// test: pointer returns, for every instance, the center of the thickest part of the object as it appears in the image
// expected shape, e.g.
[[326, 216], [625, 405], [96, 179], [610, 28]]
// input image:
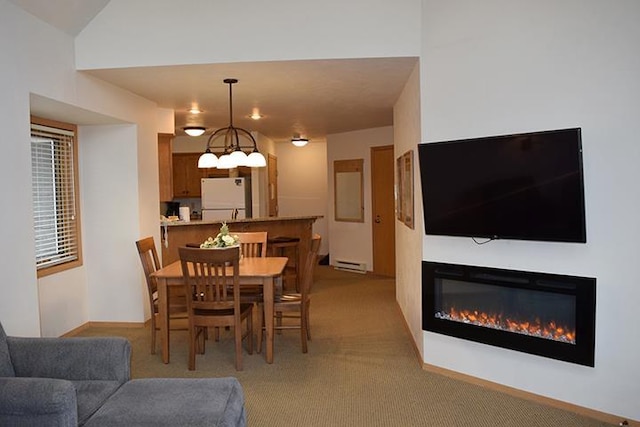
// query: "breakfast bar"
[[178, 233]]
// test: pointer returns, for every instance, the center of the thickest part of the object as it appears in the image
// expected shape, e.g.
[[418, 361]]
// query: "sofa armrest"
[[37, 401], [97, 358]]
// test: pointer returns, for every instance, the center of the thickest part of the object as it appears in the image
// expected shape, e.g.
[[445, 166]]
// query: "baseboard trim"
[[580, 410], [84, 326]]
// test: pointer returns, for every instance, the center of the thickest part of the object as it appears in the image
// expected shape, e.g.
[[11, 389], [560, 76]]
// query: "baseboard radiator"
[[354, 267]]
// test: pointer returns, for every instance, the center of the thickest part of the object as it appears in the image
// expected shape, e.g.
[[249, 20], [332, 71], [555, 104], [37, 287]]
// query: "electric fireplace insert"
[[538, 313]]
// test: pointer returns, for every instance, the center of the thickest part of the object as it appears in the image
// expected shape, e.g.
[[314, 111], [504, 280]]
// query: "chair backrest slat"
[[253, 243], [150, 261]]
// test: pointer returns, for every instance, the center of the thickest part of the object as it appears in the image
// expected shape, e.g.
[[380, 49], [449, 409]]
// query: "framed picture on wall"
[[404, 193]]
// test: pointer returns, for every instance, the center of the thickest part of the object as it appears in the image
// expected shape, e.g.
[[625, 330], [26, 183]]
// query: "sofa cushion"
[[91, 395], [6, 367], [173, 402], [37, 402]]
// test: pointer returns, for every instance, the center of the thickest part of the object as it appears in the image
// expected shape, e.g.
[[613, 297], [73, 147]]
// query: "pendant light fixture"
[[233, 154]]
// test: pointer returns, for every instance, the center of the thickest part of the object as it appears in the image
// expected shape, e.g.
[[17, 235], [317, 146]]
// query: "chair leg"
[[303, 329], [308, 323], [200, 337], [256, 318], [238, 341], [279, 322], [259, 320], [192, 349], [153, 333], [250, 331]]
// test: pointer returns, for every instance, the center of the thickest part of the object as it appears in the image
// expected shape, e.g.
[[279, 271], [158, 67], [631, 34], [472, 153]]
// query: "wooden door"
[[272, 170], [383, 214]]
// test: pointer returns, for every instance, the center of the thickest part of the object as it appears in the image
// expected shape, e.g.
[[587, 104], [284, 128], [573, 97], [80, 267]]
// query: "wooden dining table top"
[[248, 268]]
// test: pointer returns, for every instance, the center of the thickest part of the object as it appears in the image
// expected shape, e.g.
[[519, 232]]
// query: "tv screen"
[[527, 187]]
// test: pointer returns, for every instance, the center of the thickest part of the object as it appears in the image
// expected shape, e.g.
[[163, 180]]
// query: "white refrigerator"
[[225, 198]]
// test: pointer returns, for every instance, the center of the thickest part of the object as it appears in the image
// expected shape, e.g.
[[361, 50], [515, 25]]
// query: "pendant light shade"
[[256, 160], [226, 162], [233, 154], [239, 157], [208, 160]]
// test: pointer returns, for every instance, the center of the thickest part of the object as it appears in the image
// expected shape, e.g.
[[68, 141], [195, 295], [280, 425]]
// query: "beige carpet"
[[361, 370]]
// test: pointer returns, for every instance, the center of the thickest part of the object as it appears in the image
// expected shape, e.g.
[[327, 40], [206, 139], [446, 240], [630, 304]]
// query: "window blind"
[[54, 204]]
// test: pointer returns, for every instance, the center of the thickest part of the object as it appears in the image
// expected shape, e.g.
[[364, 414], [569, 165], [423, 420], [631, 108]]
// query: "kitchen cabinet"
[[186, 175], [165, 166]]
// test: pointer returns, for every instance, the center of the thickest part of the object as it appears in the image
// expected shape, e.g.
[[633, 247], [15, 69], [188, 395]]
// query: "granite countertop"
[[232, 221]]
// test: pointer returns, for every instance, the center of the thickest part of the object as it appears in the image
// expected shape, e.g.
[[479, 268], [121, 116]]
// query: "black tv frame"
[[578, 234]]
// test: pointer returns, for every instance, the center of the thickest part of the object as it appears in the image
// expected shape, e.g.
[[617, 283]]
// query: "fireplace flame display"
[[536, 328]]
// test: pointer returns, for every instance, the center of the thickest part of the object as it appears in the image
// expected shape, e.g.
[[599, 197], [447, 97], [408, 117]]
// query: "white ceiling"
[[312, 98]]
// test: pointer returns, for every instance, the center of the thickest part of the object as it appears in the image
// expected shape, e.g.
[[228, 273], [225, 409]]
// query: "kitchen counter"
[[238, 221], [179, 233]]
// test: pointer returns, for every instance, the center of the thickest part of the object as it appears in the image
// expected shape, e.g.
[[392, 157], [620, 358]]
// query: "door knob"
[[378, 219]]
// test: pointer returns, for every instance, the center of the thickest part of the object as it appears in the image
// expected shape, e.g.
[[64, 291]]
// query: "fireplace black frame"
[[583, 288]]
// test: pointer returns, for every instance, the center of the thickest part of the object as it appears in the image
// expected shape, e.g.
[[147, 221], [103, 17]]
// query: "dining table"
[[253, 271]]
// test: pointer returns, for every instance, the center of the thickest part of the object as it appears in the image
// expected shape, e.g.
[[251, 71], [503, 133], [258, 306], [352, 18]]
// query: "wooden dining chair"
[[211, 278], [296, 305], [177, 301], [253, 243]]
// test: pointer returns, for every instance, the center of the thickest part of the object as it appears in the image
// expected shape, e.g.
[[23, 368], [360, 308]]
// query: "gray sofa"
[[86, 382]]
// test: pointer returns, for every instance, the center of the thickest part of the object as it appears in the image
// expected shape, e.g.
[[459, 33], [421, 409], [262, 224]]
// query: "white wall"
[[200, 31], [504, 66], [19, 312], [302, 184], [352, 241], [116, 184], [406, 134]]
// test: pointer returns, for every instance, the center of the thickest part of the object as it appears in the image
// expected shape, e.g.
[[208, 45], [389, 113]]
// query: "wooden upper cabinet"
[[186, 175], [165, 166]]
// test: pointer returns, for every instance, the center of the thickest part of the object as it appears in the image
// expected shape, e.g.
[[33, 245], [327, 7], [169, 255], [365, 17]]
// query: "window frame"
[[49, 270]]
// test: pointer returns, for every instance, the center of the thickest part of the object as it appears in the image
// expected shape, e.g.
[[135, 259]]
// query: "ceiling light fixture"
[[232, 153], [194, 130], [298, 141]]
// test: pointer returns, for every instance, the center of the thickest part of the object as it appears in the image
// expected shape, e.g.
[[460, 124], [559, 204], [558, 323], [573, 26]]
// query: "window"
[[56, 216]]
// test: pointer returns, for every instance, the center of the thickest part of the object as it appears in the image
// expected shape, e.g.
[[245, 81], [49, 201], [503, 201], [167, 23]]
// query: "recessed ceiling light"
[[298, 141], [195, 110], [255, 115], [194, 130]]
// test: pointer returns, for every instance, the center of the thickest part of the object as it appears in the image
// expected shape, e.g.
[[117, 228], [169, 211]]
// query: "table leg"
[[163, 317], [268, 315]]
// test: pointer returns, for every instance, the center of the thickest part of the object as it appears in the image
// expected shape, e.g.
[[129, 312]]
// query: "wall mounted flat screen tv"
[[526, 187]]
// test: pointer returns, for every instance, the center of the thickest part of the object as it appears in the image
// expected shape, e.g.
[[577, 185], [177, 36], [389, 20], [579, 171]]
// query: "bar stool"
[[287, 246]]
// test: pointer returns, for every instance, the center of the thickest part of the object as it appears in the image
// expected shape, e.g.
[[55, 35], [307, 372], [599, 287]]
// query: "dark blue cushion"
[[174, 402], [6, 367]]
